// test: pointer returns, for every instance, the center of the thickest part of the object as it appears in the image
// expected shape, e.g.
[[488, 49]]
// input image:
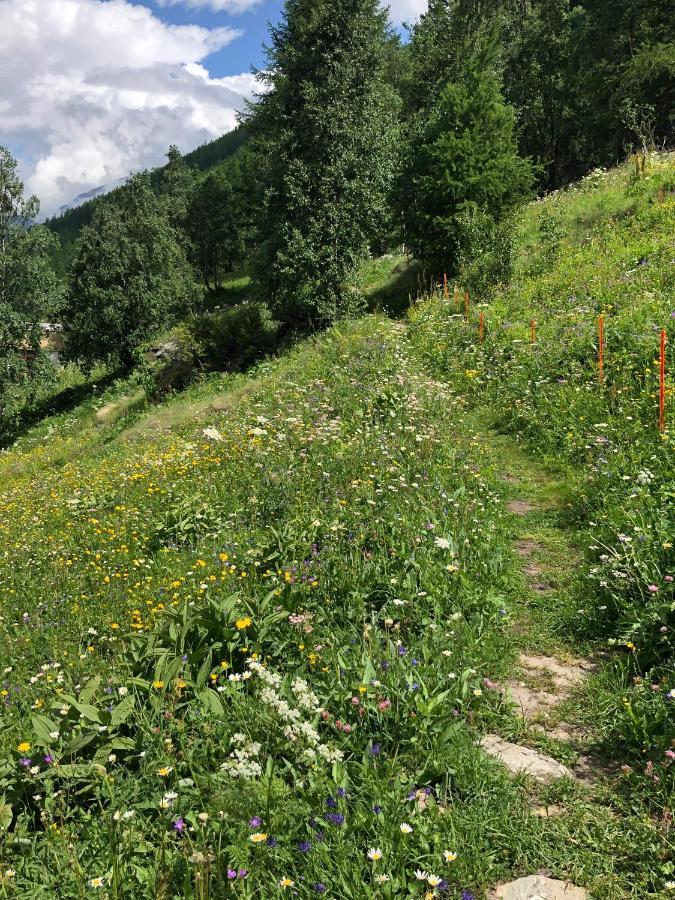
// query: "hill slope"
[[257, 633]]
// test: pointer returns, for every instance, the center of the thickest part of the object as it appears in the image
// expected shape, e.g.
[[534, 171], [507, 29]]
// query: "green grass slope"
[[251, 636], [603, 247]]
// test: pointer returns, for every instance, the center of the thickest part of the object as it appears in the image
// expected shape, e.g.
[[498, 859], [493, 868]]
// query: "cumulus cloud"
[[406, 10], [91, 90], [231, 6]]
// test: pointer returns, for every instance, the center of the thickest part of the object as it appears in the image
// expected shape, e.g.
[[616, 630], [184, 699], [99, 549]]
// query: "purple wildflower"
[[375, 749], [271, 841], [331, 803], [242, 873], [305, 846], [231, 874], [319, 887], [25, 762], [341, 792], [377, 810], [335, 818], [255, 822], [179, 825]]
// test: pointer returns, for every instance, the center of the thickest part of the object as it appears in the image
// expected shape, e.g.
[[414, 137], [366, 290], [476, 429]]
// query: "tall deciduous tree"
[[213, 228], [131, 277], [29, 292], [326, 135]]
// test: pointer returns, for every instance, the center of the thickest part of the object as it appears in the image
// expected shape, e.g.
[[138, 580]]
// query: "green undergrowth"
[[253, 633], [604, 246]]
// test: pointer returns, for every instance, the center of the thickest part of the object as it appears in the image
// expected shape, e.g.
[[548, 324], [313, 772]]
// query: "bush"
[[233, 339]]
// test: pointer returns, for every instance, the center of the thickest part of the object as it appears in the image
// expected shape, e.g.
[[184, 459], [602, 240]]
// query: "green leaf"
[[43, 728], [6, 816], [122, 711], [211, 701], [90, 689]]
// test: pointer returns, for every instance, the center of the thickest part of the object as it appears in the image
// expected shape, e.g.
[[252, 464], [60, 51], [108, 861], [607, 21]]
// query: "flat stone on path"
[[530, 703], [523, 759], [564, 675], [537, 887], [521, 507], [527, 548]]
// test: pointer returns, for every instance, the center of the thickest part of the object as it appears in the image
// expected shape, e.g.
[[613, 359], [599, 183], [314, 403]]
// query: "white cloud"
[[231, 6], [405, 10], [91, 90]]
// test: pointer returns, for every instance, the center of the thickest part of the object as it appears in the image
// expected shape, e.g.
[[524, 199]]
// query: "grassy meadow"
[[250, 636]]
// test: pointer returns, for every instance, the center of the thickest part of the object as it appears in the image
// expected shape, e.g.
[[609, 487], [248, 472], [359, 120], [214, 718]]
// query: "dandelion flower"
[[286, 882], [405, 828], [243, 623], [158, 685], [258, 838], [449, 855], [23, 747], [164, 771], [374, 853]]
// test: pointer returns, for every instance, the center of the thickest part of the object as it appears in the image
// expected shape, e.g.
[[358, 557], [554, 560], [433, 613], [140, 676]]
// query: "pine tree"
[[466, 162], [326, 138]]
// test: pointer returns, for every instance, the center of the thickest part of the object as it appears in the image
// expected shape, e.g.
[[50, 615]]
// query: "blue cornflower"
[[402, 650], [319, 887], [341, 792], [305, 846], [335, 818], [331, 802], [271, 841], [375, 749], [377, 809]]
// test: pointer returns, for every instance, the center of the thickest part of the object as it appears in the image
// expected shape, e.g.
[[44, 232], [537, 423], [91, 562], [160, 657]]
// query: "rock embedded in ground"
[[531, 703], [537, 887], [563, 675], [549, 812], [527, 548], [519, 759], [520, 507]]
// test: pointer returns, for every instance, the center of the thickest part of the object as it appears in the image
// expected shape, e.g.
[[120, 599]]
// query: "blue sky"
[[101, 88], [243, 52]]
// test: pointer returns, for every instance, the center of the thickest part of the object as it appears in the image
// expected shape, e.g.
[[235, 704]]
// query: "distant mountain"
[[89, 195], [69, 220]]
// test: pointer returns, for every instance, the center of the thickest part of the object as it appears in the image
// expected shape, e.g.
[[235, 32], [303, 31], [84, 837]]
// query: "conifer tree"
[[465, 161], [326, 140]]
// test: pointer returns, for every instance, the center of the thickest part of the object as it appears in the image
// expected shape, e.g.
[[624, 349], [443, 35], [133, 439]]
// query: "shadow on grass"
[[395, 295], [64, 401]]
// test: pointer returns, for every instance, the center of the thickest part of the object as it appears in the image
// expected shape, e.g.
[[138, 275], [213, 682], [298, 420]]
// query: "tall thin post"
[[662, 382], [533, 331]]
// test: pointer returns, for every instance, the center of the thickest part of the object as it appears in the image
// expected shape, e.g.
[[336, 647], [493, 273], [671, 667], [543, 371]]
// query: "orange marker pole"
[[481, 327], [466, 306], [533, 331], [662, 383], [446, 291]]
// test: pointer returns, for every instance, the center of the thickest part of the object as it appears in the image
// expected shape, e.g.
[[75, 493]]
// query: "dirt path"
[[544, 743]]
